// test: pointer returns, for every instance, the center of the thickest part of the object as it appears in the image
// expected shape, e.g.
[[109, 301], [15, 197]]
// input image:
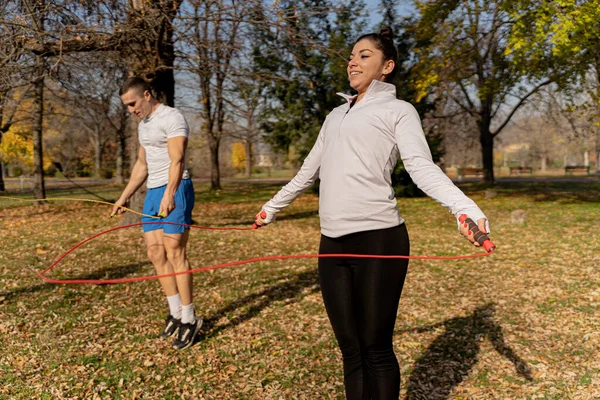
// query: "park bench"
[[469, 171], [577, 168], [520, 170]]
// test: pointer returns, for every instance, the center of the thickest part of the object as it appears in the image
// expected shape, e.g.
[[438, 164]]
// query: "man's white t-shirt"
[[154, 131]]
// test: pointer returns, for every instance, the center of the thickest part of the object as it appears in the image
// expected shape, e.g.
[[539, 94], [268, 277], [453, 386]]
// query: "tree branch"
[[518, 105]]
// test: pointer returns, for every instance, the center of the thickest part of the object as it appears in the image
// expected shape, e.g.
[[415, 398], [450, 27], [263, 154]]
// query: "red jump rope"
[[480, 237]]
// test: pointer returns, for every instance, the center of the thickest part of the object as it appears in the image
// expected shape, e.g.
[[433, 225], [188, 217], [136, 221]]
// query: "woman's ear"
[[389, 67]]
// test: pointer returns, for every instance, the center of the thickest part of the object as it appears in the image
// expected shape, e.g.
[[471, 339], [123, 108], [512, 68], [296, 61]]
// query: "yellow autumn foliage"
[[238, 155], [15, 149]]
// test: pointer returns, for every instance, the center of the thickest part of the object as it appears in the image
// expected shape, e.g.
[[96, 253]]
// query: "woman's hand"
[[262, 219], [464, 230]]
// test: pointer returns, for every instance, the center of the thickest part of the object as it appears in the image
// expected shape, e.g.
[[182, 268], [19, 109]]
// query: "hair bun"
[[387, 32]]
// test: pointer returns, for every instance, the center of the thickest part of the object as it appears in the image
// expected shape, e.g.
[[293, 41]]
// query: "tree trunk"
[[2, 172], [248, 144], [597, 147], [121, 146], [137, 200], [544, 166], [215, 174], [164, 80], [157, 67], [97, 155], [39, 188], [2, 169], [119, 170], [487, 140], [2, 127], [487, 149]]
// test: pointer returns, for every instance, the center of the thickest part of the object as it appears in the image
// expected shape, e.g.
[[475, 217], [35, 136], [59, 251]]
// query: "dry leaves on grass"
[[521, 324]]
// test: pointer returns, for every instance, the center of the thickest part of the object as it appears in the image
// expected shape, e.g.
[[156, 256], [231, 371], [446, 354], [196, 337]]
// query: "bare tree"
[[141, 31], [92, 81], [247, 103], [211, 33], [459, 132], [36, 10], [578, 118], [464, 53], [219, 43], [9, 80], [151, 55]]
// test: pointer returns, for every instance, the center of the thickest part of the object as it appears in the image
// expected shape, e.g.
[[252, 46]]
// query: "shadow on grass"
[[114, 272], [39, 210], [449, 358], [253, 304]]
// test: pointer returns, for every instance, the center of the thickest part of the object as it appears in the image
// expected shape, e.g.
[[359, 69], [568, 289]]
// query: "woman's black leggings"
[[361, 297]]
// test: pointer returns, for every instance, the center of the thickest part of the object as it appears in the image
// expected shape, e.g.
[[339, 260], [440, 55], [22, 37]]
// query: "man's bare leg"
[[175, 248], [158, 256]]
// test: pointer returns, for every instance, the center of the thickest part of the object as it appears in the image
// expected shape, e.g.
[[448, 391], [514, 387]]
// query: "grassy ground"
[[521, 324]]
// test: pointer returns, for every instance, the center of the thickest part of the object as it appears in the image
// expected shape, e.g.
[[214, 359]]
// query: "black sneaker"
[[187, 333], [171, 326]]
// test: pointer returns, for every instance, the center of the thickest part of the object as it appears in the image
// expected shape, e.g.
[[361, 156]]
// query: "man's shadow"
[[112, 272], [253, 304], [449, 358]]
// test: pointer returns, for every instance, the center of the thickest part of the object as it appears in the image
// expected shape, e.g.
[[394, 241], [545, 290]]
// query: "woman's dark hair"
[[384, 41], [136, 83]]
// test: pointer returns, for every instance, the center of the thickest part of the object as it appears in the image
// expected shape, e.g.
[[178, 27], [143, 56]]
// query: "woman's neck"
[[359, 97]]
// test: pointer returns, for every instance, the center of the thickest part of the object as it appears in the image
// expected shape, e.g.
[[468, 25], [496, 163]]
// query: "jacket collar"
[[375, 89]]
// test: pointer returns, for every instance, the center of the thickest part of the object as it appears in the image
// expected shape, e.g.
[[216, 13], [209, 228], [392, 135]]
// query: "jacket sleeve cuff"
[[271, 212]]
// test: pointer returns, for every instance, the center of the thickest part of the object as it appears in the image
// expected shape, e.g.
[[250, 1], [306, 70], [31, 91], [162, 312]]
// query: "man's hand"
[[167, 204], [118, 207]]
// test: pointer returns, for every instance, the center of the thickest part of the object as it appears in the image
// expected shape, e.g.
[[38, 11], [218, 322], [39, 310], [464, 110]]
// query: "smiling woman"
[[354, 157], [366, 64]]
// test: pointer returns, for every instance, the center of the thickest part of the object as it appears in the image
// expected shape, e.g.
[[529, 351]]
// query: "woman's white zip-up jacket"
[[354, 156]]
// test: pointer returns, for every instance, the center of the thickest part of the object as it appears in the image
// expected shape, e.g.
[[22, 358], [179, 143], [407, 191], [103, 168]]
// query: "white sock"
[[187, 313], [175, 305]]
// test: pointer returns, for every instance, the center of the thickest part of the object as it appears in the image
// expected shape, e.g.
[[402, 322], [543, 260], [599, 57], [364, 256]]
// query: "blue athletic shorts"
[[182, 214]]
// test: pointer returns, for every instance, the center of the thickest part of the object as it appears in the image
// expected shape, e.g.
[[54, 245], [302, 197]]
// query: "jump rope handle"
[[479, 236], [263, 215]]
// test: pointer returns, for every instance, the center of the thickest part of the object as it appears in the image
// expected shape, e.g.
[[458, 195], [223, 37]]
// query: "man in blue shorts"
[[163, 134]]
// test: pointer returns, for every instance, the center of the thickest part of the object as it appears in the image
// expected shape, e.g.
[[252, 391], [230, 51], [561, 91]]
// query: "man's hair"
[[135, 83]]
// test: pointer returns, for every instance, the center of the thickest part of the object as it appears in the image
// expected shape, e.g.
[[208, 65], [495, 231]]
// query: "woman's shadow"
[[449, 358]]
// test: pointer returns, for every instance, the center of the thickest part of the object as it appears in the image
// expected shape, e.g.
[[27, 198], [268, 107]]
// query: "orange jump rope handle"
[[262, 215], [479, 236]]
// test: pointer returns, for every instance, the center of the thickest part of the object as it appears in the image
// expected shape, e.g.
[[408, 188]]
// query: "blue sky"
[[373, 5]]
